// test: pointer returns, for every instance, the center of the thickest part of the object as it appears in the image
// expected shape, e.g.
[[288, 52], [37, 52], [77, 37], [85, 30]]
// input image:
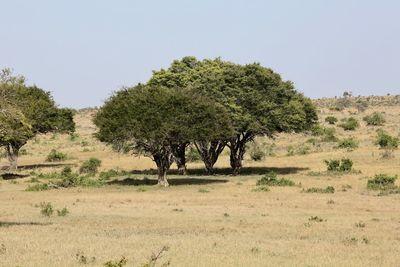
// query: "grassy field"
[[215, 220]]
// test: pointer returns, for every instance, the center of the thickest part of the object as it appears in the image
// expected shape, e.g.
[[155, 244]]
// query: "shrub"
[[90, 166], [262, 188], [37, 187], [55, 156], [118, 263], [46, 209], [63, 212], [299, 150], [349, 124], [331, 119], [106, 175], [192, 155], [348, 143], [386, 141], [327, 190], [381, 182], [271, 179], [328, 135], [343, 165], [257, 154], [375, 119]]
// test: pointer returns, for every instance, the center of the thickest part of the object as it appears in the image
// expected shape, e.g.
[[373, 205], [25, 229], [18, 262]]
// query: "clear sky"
[[83, 50]]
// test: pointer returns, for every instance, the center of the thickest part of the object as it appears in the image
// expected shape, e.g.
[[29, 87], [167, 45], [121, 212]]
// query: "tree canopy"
[[151, 120], [25, 112], [258, 101]]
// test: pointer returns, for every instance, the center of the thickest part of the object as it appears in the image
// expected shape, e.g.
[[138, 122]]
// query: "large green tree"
[[27, 111], [259, 102], [152, 120]]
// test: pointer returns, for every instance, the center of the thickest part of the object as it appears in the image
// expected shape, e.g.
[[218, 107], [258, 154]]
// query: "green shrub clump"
[[375, 119], [192, 155], [270, 179], [348, 143], [331, 120], [55, 156], [349, 124], [381, 182], [343, 165], [90, 166], [386, 141], [327, 190]]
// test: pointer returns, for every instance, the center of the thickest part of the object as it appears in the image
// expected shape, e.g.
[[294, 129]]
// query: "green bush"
[[192, 155], [327, 190], [46, 209], [37, 187], [382, 182], [386, 141], [349, 124], [90, 166], [343, 165], [329, 135], [348, 143], [375, 119], [63, 212], [106, 175], [331, 119], [55, 156], [257, 154], [270, 179]]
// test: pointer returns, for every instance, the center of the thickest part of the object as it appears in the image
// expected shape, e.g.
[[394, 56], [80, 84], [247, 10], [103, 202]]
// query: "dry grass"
[[207, 224]]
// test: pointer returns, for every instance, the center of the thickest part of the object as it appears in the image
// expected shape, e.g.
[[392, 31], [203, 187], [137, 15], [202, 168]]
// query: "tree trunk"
[[238, 149], [163, 160], [209, 152], [12, 155], [178, 151]]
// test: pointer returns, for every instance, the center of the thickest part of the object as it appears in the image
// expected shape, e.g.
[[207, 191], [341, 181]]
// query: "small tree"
[[331, 120], [375, 119], [32, 106], [258, 101], [386, 141], [349, 124], [150, 120]]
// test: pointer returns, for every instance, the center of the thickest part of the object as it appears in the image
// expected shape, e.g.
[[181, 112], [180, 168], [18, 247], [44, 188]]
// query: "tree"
[[152, 120], [30, 106], [258, 101]]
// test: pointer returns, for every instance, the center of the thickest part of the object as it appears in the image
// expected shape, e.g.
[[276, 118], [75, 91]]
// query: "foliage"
[[151, 120], [90, 166], [375, 119], [331, 119], [192, 155], [46, 209], [106, 175], [37, 187], [343, 165], [298, 150], [63, 212], [118, 263], [270, 179], [25, 112], [327, 190], [348, 143], [386, 141], [55, 156], [382, 182], [258, 101], [349, 124]]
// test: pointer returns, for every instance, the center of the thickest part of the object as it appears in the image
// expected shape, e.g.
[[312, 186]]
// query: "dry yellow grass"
[[212, 224]]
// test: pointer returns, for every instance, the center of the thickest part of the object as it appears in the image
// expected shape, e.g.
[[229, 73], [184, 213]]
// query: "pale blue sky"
[[82, 50]]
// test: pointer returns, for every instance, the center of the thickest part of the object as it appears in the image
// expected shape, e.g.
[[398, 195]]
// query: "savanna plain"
[[325, 218]]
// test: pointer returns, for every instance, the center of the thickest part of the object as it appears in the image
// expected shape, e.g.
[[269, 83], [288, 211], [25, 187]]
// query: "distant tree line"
[[26, 111], [209, 104]]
